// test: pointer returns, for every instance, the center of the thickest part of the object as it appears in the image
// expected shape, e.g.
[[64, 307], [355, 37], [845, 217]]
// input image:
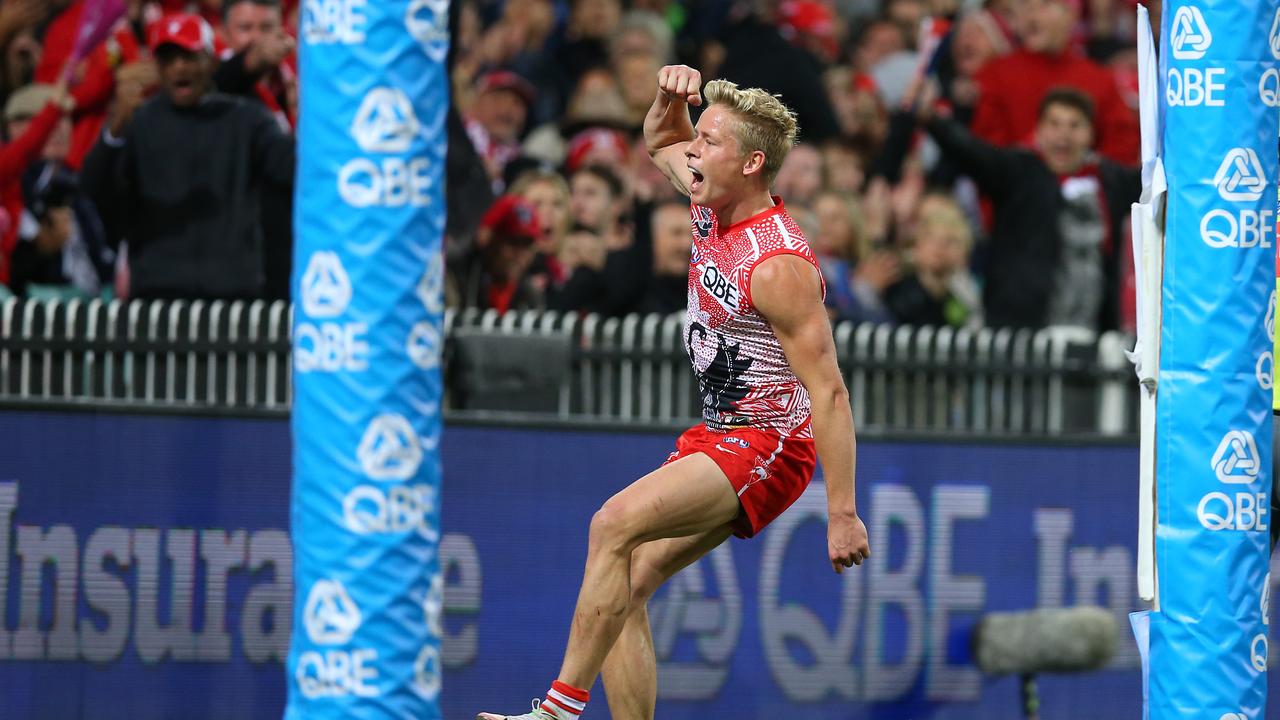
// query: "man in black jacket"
[[1054, 256], [255, 66], [180, 175]]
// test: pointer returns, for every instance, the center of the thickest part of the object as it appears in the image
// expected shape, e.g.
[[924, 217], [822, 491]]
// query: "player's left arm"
[[787, 291]]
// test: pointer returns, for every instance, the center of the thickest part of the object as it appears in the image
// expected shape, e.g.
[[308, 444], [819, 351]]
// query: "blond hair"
[[857, 247], [941, 213], [763, 123]]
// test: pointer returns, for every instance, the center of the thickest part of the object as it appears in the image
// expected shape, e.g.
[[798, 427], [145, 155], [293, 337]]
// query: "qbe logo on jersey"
[[385, 124], [321, 341], [332, 618], [1240, 179], [390, 451], [719, 286], [1236, 462]]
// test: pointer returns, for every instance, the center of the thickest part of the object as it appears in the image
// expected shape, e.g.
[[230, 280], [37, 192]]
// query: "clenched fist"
[[846, 541], [681, 82]]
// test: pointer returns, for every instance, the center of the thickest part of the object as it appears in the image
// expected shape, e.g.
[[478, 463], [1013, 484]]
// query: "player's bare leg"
[[690, 496], [630, 670]]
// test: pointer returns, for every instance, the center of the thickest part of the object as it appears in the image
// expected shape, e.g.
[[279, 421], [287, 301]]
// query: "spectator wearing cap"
[[259, 65], [1010, 88], [497, 118], [180, 175], [494, 273], [62, 246], [34, 116]]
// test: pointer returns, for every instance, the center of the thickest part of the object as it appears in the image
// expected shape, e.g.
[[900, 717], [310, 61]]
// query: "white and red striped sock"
[[566, 701]]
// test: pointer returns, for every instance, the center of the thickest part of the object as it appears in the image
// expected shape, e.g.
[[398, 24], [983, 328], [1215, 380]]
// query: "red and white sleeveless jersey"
[[743, 375]]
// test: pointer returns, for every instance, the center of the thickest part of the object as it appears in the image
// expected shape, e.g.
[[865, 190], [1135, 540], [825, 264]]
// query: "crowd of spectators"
[[156, 163], [961, 162]]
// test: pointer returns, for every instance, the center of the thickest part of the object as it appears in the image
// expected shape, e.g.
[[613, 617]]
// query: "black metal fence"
[[235, 357]]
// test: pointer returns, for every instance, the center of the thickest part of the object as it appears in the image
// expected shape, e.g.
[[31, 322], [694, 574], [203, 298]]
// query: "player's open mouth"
[[697, 180]]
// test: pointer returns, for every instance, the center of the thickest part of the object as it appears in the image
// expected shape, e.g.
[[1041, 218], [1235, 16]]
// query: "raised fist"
[[681, 82]]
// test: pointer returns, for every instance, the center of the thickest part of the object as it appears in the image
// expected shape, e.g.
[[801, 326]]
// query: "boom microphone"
[[1059, 640]]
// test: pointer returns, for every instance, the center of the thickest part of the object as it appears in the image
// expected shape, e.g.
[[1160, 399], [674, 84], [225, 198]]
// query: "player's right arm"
[[667, 128]]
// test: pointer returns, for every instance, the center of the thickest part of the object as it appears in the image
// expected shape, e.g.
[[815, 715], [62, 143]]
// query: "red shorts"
[[767, 470]]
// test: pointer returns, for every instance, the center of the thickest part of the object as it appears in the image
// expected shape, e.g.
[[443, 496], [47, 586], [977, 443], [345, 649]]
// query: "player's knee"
[[610, 527]]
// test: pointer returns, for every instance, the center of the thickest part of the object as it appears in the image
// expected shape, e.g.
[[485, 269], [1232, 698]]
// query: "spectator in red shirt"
[[33, 116], [1011, 88], [92, 82]]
